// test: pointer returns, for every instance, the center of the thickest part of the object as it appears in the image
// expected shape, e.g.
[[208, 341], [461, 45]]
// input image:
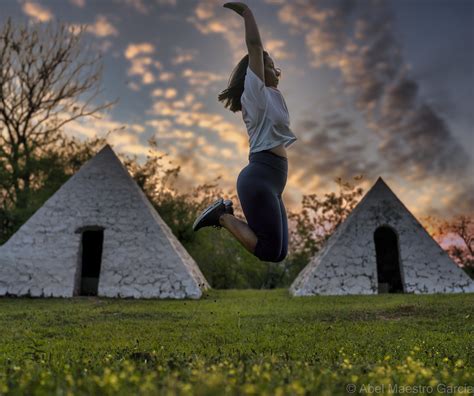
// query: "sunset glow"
[[378, 88]]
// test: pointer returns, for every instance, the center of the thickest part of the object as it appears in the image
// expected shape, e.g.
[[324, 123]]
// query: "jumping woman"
[[253, 90]]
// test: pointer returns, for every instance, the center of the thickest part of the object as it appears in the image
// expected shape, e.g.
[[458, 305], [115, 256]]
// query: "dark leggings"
[[259, 186]]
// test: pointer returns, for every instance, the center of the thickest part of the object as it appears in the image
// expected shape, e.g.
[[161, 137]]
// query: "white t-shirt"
[[265, 114]]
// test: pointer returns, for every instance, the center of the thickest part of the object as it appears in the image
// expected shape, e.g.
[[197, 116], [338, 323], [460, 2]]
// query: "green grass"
[[237, 342]]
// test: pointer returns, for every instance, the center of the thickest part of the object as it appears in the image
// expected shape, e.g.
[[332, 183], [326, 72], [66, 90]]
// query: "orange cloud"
[[37, 12], [225, 24], [141, 63], [133, 50], [78, 3], [185, 112], [276, 49], [184, 55], [166, 76], [170, 93], [102, 27], [202, 79]]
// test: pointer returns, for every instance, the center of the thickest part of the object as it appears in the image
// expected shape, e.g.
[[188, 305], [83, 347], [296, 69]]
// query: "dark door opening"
[[92, 242], [388, 263]]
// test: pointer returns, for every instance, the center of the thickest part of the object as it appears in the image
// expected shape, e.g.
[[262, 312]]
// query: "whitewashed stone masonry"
[[347, 263], [141, 257]]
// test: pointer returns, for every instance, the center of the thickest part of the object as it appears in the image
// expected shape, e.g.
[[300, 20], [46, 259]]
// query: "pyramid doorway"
[[91, 259], [388, 261]]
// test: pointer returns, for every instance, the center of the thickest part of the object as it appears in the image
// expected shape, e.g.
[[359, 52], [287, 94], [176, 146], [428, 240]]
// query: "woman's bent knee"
[[268, 252]]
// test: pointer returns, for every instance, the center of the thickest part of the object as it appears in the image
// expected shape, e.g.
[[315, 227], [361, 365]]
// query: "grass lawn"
[[238, 342]]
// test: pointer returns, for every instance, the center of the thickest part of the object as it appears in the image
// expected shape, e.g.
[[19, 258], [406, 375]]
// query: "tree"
[[320, 217], [47, 80], [463, 227], [53, 167], [317, 221]]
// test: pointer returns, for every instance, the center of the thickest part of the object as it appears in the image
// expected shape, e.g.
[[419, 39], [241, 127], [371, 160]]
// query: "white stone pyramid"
[[379, 248], [98, 235]]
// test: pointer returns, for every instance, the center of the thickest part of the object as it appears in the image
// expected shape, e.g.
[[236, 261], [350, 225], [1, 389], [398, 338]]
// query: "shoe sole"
[[211, 208]]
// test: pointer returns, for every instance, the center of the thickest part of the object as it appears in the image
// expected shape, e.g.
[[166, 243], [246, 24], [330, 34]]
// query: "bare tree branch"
[[48, 79]]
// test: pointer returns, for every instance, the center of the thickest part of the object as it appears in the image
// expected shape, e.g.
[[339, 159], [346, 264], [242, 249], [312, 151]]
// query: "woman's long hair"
[[231, 95]]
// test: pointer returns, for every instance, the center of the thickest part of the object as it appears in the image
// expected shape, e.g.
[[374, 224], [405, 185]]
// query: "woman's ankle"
[[223, 217]]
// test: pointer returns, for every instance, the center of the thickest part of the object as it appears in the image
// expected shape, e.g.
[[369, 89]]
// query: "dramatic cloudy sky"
[[379, 88]]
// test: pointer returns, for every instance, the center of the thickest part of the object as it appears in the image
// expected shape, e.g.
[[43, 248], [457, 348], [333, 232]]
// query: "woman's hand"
[[239, 8]]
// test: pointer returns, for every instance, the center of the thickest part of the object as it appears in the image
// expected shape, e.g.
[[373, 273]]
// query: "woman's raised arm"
[[252, 38]]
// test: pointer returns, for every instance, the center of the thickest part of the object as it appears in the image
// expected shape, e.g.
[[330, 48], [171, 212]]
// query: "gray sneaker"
[[228, 206], [210, 215]]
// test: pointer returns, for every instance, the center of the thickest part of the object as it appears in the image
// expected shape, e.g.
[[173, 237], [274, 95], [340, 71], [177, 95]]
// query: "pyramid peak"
[[105, 160], [106, 151], [380, 184], [379, 190], [107, 147], [381, 181]]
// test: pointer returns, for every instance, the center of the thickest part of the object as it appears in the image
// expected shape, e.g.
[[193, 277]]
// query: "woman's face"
[[272, 74]]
